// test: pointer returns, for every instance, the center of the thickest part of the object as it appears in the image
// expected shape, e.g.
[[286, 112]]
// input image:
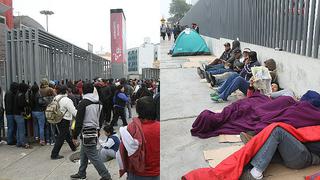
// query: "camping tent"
[[190, 43]]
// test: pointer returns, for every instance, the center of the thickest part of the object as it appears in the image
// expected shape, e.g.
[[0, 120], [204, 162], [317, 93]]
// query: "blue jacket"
[[246, 71]]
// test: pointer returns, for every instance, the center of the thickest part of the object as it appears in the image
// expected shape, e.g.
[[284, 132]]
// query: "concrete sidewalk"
[[183, 97], [35, 164]]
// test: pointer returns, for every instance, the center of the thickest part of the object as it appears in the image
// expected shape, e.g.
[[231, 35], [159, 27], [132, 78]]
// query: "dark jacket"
[[20, 103], [9, 102], [226, 55], [9, 98], [143, 91], [246, 71], [235, 46], [34, 102], [107, 96]]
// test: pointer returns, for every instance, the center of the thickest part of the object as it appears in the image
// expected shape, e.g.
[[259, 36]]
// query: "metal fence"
[[150, 73], [33, 54], [291, 25]]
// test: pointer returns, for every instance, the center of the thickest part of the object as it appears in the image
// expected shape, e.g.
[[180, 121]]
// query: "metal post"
[[311, 27], [316, 33], [305, 27]]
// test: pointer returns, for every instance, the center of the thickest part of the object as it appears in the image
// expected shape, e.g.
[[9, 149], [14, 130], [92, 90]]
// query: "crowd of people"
[[175, 30], [58, 111], [275, 125]]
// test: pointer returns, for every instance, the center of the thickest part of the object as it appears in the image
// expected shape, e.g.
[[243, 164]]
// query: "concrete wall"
[[296, 72]]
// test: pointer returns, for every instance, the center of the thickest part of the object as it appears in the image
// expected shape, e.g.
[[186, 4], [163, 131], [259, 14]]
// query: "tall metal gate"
[[33, 54], [292, 25]]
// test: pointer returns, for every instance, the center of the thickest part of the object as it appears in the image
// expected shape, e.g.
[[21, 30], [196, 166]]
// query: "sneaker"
[[77, 176], [214, 93], [3, 142], [245, 138], [48, 144], [52, 144], [200, 72], [42, 143], [246, 175], [217, 99]]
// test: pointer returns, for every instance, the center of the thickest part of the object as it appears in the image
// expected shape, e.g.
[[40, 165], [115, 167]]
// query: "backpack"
[[53, 112]]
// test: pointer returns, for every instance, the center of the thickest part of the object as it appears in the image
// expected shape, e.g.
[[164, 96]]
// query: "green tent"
[[190, 43]]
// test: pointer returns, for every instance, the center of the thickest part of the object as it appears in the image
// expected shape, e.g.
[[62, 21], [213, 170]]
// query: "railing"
[[150, 73], [290, 25], [33, 54]]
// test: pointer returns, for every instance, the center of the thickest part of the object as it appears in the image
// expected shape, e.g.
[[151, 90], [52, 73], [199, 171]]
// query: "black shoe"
[[77, 176], [199, 71], [57, 157], [207, 74], [315, 159], [105, 178]]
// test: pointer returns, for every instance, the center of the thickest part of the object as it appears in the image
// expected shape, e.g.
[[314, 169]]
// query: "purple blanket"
[[254, 114]]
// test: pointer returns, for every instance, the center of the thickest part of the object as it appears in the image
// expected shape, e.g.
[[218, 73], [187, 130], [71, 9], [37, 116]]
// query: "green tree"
[[178, 8]]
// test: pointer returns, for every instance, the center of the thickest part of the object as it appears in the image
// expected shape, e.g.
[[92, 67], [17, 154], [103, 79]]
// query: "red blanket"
[[231, 168]]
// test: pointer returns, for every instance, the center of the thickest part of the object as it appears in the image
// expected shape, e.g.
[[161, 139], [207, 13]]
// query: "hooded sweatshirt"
[[88, 115], [235, 46]]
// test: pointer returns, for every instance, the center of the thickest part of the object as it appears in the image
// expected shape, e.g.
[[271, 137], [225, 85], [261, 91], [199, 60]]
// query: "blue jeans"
[[50, 132], [293, 153], [233, 83], [215, 67], [219, 71], [10, 124], [21, 130], [39, 121]]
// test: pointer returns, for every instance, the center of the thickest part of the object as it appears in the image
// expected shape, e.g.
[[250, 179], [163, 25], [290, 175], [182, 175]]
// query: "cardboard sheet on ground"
[[225, 138], [274, 171], [215, 156]]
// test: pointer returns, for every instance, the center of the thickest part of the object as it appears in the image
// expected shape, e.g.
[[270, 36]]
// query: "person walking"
[[87, 124], [66, 107], [120, 100], [163, 31]]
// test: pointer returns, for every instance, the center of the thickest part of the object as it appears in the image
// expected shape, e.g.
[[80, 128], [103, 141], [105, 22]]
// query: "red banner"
[[117, 55], [8, 14]]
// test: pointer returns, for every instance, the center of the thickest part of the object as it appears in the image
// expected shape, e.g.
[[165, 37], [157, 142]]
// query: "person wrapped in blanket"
[[296, 148], [110, 146], [139, 153], [281, 147]]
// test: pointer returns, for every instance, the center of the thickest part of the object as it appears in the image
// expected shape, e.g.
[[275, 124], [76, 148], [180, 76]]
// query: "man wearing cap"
[[227, 52]]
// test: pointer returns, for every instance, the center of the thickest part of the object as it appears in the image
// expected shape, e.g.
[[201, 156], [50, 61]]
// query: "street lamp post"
[[47, 13]]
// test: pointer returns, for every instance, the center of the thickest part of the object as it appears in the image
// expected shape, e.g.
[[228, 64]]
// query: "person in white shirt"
[[110, 146], [67, 107]]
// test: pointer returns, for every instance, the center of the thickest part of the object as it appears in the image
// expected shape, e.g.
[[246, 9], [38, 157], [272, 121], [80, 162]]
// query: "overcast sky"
[[83, 21]]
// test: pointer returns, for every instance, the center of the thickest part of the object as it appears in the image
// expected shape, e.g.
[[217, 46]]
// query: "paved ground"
[[183, 97], [35, 164]]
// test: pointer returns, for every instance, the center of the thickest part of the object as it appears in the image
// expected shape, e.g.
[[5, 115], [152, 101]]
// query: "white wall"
[[146, 57], [296, 72]]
